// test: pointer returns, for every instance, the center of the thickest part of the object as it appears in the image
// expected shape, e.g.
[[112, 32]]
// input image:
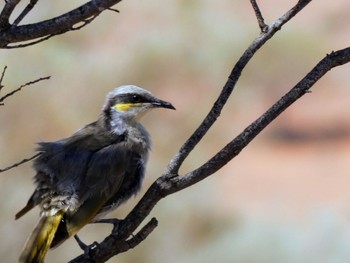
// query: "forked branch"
[[170, 182], [236, 72], [258, 15]]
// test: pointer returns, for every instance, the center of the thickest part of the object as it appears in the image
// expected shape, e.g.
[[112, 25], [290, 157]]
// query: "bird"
[[82, 177]]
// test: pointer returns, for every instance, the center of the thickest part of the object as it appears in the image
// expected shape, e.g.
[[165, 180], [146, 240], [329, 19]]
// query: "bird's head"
[[131, 102]]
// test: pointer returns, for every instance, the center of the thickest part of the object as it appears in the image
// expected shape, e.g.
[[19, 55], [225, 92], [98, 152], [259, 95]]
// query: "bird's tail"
[[40, 240]]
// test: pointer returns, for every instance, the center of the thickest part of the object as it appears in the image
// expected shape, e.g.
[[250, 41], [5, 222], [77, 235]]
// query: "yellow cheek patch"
[[125, 106]]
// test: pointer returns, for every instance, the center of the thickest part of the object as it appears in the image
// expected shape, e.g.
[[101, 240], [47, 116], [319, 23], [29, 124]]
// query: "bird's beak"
[[162, 104]]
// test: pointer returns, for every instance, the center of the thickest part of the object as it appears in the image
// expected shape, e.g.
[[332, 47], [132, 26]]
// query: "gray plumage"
[[98, 167]]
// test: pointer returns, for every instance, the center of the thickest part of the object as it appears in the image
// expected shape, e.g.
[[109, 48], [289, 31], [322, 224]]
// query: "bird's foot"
[[114, 221], [87, 248]]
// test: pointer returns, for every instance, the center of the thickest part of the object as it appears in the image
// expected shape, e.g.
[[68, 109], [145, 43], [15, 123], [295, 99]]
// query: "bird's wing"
[[63, 164], [104, 175], [130, 186]]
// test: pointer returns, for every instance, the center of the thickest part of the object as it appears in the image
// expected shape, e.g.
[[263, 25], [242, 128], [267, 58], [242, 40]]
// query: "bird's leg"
[[114, 221], [83, 246]]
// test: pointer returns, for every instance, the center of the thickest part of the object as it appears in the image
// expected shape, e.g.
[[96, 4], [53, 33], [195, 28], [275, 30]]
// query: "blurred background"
[[285, 198]]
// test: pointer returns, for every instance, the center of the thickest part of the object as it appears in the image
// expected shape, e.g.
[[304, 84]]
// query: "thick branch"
[[54, 26]]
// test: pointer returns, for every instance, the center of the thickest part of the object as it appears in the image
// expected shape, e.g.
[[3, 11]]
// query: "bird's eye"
[[136, 99]]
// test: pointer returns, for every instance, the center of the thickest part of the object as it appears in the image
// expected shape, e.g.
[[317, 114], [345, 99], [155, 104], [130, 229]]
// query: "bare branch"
[[19, 163], [113, 9], [170, 182], [21, 87], [242, 140], [25, 12], [52, 27], [214, 113], [258, 15], [6, 13]]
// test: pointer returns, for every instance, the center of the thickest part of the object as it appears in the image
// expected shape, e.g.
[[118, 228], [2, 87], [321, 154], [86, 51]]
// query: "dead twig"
[[2, 78], [20, 88], [19, 163], [259, 16], [113, 9]]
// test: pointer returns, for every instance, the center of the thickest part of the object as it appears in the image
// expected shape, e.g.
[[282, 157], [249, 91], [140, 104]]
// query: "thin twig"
[[2, 77], [19, 163], [259, 17], [21, 87], [113, 9]]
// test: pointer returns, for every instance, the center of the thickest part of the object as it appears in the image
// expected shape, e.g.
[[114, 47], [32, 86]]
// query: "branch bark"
[[44, 30]]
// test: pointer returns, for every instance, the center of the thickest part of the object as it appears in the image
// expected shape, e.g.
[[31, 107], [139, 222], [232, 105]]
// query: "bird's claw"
[[86, 248]]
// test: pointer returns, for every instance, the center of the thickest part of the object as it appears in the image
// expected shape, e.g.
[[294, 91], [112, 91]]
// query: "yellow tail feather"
[[40, 240]]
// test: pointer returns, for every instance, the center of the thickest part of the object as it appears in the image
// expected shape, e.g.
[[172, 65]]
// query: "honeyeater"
[[82, 177]]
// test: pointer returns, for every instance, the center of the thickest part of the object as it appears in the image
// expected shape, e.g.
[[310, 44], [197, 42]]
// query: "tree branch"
[[48, 28], [232, 149], [170, 182], [6, 12], [258, 15], [102, 251], [2, 78], [21, 87], [19, 163], [25, 12], [215, 112]]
